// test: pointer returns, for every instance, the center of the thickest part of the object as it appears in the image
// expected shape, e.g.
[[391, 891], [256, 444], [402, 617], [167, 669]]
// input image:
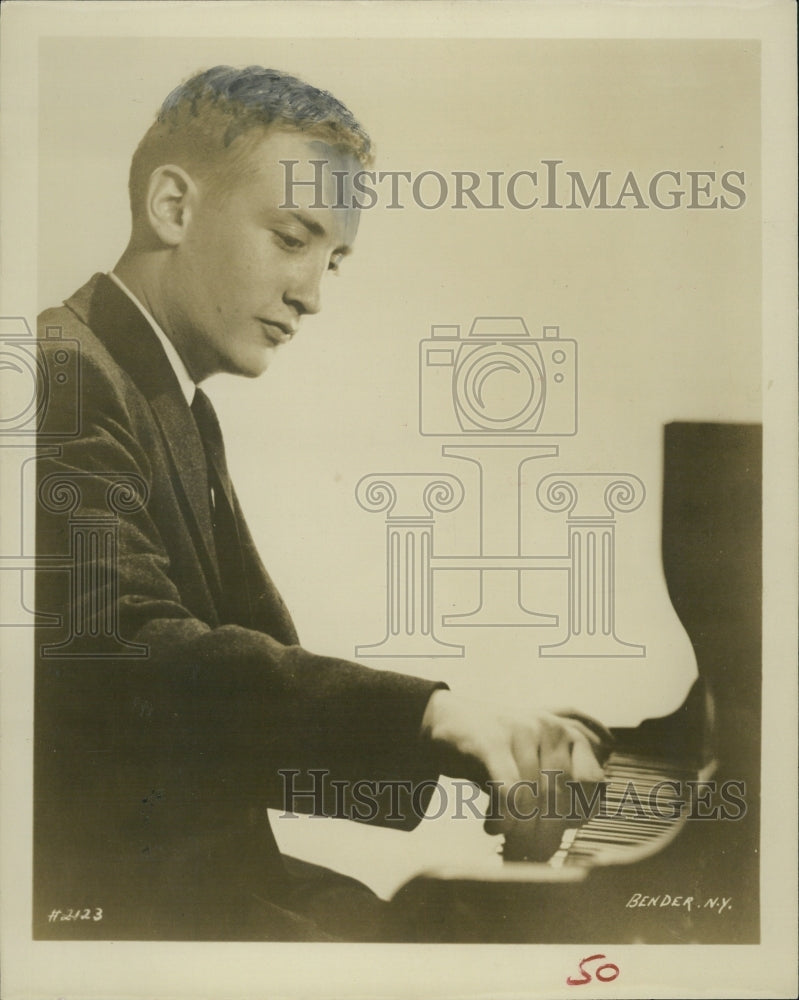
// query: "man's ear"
[[171, 194]]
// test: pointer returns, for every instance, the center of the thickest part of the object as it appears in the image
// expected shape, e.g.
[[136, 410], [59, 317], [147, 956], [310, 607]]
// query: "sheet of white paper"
[[619, 177]]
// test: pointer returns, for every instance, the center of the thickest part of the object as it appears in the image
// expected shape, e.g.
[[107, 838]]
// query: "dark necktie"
[[226, 532]]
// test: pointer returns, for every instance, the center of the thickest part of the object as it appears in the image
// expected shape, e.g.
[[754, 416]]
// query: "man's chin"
[[254, 365]]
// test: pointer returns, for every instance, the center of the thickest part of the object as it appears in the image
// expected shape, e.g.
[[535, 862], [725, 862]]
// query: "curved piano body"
[[669, 854]]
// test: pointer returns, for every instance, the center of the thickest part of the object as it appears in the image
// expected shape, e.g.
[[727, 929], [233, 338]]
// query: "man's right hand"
[[499, 751]]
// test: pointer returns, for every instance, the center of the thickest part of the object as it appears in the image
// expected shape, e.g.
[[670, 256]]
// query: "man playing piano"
[[154, 771]]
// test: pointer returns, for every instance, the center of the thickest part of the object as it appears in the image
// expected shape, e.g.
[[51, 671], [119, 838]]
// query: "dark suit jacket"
[[153, 773]]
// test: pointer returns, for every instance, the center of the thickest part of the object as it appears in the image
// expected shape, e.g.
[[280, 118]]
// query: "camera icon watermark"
[[497, 379], [59, 522], [31, 371]]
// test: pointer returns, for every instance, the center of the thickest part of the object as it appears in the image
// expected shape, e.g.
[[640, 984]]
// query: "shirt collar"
[[187, 386]]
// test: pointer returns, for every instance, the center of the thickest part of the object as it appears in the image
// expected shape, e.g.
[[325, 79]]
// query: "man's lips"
[[278, 333]]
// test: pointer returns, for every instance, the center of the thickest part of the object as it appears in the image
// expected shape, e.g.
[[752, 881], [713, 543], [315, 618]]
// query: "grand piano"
[[679, 864]]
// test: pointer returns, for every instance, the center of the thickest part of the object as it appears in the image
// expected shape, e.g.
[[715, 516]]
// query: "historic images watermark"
[[554, 797], [41, 389], [551, 185]]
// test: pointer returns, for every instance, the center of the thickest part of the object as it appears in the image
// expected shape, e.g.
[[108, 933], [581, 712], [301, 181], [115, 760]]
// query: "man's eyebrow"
[[314, 227]]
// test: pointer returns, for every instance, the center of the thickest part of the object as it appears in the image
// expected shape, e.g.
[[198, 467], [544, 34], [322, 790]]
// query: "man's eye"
[[289, 241], [335, 260]]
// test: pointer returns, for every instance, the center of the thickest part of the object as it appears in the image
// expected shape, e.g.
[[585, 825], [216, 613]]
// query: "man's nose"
[[304, 293]]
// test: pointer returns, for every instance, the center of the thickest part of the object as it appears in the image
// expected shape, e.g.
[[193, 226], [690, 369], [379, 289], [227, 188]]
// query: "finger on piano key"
[[598, 735]]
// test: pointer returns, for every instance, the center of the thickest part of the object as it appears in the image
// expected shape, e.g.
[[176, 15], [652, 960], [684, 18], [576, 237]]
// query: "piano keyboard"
[[638, 815]]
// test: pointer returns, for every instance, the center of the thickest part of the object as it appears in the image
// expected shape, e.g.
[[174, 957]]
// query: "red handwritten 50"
[[604, 973]]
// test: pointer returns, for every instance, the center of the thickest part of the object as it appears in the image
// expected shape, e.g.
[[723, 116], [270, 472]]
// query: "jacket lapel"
[[185, 451], [130, 339]]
